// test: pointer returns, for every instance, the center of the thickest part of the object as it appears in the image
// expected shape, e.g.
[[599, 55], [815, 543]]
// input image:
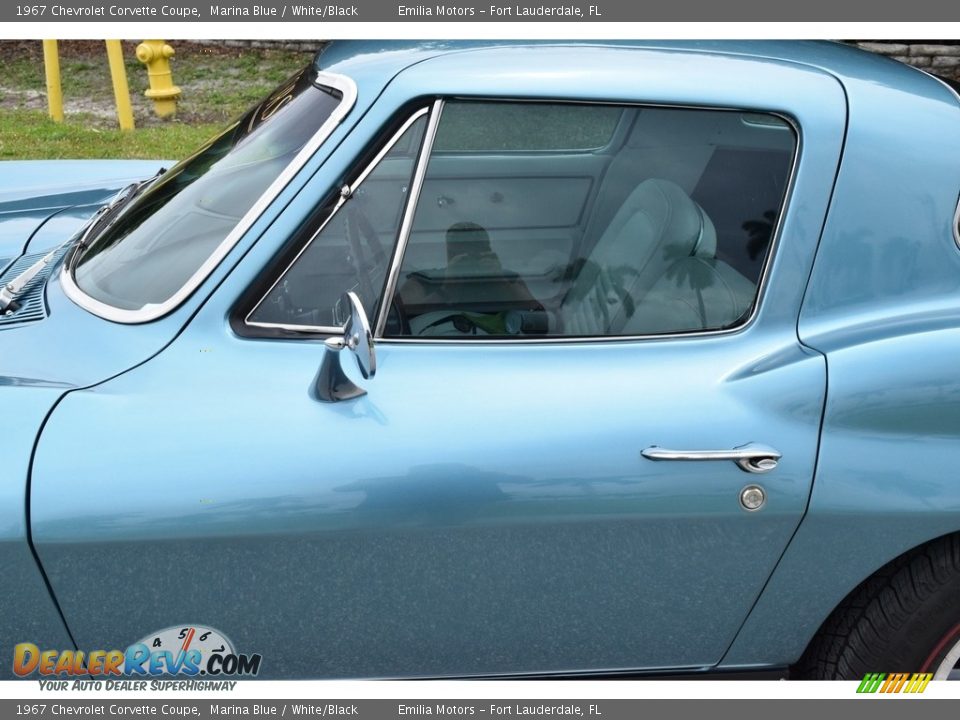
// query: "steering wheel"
[[397, 318], [361, 232], [361, 223], [363, 237]]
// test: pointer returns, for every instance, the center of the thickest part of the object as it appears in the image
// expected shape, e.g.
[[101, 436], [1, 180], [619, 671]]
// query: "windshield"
[[163, 239]]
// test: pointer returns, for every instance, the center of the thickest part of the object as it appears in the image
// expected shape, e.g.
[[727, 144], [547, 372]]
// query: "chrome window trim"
[[956, 224], [348, 89], [345, 194], [406, 225], [761, 285]]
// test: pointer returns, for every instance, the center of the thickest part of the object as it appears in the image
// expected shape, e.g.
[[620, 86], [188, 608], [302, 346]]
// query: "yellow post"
[[156, 54], [121, 91], [51, 65]]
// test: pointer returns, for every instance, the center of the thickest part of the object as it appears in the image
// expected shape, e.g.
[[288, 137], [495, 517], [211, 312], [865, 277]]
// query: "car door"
[[580, 468]]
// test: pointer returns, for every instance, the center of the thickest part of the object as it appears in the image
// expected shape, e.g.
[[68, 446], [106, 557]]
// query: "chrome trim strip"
[[153, 311], [406, 227], [320, 329], [956, 224], [388, 147], [340, 203], [950, 661], [559, 340], [939, 79]]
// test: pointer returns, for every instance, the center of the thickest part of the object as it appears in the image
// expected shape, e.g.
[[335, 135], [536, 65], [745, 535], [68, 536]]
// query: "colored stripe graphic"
[[894, 682], [871, 682], [920, 682]]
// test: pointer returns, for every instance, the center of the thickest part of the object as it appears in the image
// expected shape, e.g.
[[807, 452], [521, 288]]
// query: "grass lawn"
[[31, 135], [217, 85]]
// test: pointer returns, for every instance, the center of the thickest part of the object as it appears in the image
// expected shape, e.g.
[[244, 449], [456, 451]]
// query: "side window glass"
[[540, 220], [352, 248]]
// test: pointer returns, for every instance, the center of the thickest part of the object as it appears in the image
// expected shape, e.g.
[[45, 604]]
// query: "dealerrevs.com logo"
[[186, 650]]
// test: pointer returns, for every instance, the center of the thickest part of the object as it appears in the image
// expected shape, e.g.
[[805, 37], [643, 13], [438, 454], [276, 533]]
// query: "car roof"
[[846, 62]]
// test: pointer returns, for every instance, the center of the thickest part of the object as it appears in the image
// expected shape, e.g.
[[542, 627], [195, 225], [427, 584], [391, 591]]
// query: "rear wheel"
[[904, 618]]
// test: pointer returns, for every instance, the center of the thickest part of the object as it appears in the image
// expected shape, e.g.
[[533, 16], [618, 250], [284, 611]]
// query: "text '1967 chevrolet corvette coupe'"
[[496, 359]]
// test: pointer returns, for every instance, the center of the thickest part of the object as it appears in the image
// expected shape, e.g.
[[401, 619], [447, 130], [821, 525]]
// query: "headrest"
[[683, 226]]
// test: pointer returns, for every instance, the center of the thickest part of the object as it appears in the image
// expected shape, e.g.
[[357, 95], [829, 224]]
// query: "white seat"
[[657, 225]]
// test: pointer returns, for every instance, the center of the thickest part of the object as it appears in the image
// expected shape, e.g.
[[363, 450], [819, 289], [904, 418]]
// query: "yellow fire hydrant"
[[156, 54]]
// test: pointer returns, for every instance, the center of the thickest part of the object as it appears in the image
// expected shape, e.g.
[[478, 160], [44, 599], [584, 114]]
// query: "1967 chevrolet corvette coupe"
[[466, 359]]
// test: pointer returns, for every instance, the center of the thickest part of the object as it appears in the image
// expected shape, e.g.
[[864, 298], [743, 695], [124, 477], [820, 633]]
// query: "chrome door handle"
[[752, 457]]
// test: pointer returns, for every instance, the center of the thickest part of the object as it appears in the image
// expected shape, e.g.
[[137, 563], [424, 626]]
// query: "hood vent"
[[32, 305]]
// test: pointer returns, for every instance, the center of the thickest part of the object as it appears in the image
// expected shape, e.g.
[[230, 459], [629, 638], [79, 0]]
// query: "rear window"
[[513, 127]]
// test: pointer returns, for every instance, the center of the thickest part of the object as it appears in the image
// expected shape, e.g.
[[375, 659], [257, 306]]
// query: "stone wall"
[[296, 45], [942, 59]]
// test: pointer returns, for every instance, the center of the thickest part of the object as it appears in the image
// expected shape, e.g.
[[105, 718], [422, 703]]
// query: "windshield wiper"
[[10, 291], [108, 213], [13, 289]]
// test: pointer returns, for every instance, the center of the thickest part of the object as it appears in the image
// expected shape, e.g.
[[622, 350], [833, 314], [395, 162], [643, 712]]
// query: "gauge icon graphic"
[[178, 640]]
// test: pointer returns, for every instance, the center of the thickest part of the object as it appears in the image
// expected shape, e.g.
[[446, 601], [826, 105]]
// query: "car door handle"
[[752, 457]]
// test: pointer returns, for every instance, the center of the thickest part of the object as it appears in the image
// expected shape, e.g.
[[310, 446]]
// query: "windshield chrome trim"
[[341, 201], [348, 89]]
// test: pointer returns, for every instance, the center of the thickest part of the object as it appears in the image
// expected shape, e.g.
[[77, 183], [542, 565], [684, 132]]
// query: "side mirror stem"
[[333, 385]]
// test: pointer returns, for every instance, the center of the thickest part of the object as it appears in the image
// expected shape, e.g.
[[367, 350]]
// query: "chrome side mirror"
[[333, 384]]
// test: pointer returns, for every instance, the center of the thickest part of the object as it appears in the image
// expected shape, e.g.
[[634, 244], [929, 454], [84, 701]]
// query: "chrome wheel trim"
[[948, 668]]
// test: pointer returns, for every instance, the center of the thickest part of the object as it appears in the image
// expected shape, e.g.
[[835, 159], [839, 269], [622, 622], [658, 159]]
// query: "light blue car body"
[[484, 509]]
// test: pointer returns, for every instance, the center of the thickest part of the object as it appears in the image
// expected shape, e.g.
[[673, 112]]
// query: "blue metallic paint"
[[33, 373], [665, 541], [882, 306], [16, 227], [26, 609], [420, 551]]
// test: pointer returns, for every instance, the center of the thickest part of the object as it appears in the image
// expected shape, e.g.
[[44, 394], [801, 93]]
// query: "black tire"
[[904, 618]]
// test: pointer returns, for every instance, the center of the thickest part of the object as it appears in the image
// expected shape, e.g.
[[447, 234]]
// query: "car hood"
[[58, 345], [34, 192]]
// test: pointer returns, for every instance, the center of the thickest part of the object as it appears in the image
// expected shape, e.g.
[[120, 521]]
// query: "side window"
[[577, 220], [352, 247]]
